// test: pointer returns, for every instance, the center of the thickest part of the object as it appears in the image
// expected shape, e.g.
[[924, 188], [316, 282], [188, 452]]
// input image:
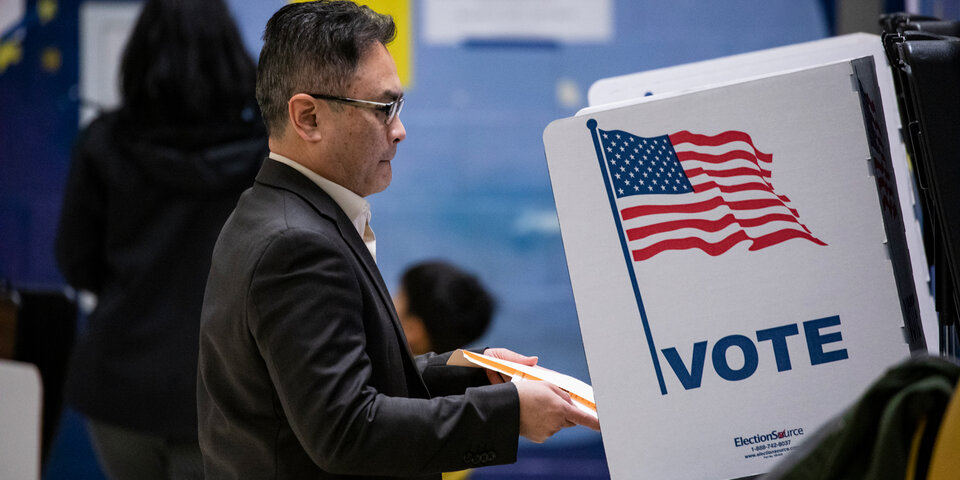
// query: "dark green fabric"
[[872, 439]]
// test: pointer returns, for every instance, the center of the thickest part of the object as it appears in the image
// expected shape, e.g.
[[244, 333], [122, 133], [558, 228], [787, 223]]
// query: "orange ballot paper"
[[580, 393]]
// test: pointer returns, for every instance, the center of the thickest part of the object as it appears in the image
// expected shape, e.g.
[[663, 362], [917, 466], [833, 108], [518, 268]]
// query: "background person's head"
[[185, 64], [442, 307]]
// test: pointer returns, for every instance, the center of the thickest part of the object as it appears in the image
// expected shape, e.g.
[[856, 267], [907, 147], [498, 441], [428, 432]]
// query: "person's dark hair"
[[185, 64], [314, 47], [455, 307]]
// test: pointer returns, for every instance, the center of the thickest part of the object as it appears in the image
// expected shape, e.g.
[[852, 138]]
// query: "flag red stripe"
[[716, 140], [721, 158], [714, 249], [733, 172], [782, 236], [707, 225], [742, 187], [704, 206]]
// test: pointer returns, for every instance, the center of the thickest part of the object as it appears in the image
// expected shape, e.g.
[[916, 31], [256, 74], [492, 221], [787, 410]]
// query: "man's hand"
[[504, 354], [545, 409]]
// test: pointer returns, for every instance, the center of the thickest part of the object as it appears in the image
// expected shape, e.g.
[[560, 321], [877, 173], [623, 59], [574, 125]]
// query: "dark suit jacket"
[[304, 371]]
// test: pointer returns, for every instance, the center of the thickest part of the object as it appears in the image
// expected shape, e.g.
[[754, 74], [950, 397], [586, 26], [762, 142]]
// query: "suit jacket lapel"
[[278, 175]]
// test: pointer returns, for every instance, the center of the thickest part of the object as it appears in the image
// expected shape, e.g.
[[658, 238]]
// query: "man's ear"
[[304, 113]]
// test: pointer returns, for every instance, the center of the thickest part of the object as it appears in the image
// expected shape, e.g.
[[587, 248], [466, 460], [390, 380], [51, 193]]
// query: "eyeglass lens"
[[394, 110]]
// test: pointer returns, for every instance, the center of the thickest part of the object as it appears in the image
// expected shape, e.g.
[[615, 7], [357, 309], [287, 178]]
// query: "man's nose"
[[397, 132]]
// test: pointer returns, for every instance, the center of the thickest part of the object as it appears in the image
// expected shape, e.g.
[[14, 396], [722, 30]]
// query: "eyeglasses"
[[391, 110]]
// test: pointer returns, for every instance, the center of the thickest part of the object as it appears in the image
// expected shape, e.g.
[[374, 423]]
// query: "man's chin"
[[383, 183]]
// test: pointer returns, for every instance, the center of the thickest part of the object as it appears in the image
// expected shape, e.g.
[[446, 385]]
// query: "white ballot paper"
[[580, 392], [737, 259]]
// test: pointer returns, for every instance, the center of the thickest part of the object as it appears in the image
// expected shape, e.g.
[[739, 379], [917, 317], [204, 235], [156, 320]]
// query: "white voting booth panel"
[[737, 67], [691, 76], [730, 264]]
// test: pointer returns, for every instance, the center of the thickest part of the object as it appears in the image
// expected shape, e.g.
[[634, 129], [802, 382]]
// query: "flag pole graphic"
[[592, 126]]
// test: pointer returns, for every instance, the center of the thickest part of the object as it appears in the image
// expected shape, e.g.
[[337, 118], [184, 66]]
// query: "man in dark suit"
[[304, 371]]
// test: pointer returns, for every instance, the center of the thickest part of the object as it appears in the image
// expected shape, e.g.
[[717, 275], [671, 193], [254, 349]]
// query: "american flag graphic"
[[689, 191]]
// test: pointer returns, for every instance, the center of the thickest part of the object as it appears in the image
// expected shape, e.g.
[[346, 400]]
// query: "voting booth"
[[792, 57], [740, 263]]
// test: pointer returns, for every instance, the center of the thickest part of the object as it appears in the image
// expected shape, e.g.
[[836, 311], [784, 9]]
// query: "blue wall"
[[470, 182]]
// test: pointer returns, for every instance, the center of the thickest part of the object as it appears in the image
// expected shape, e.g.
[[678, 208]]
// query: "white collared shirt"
[[356, 208]]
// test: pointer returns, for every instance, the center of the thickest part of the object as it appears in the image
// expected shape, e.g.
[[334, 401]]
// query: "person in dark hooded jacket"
[[149, 188]]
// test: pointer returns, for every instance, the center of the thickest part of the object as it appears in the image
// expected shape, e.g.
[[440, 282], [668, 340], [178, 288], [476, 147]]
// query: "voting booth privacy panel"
[[792, 57], [738, 260]]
